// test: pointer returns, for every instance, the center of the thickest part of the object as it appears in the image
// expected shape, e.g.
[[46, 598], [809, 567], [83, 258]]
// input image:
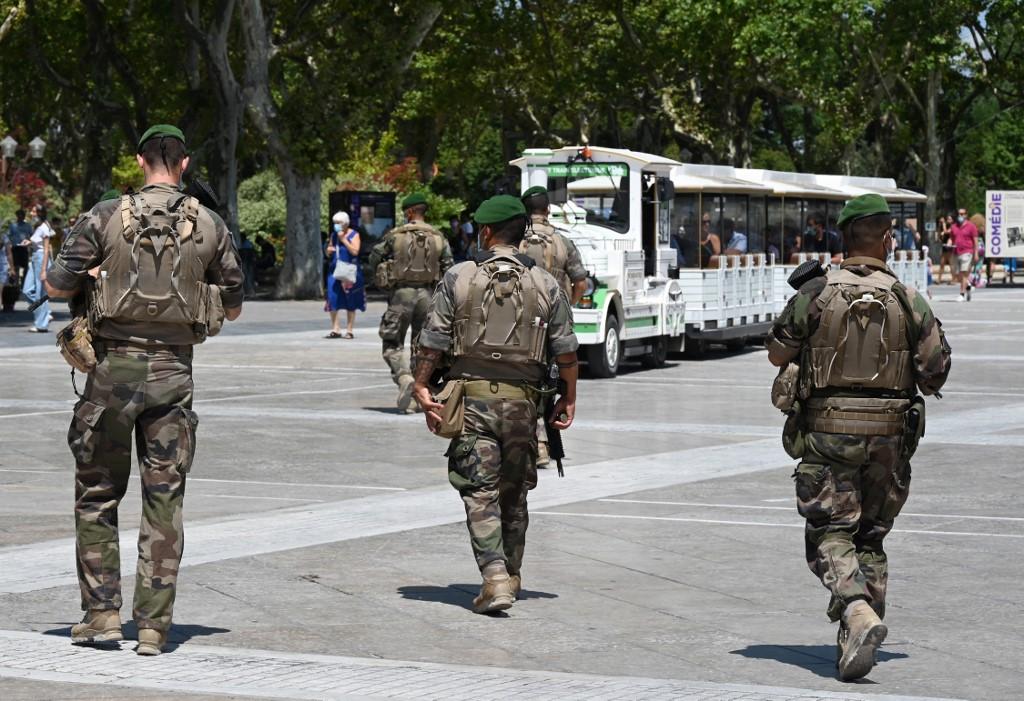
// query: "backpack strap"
[[191, 215], [127, 207], [482, 257], [899, 290]]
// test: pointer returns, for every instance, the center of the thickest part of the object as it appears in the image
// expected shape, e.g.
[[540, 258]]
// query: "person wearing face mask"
[[861, 347], [964, 237], [343, 246]]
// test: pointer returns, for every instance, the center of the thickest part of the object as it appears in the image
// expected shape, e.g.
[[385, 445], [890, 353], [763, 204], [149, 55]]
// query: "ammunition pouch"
[[857, 416], [914, 427], [211, 312], [784, 388], [75, 344], [453, 416], [794, 433], [383, 276]]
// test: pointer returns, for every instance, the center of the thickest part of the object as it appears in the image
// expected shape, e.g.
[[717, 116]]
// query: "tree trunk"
[[98, 165], [301, 273], [933, 164]]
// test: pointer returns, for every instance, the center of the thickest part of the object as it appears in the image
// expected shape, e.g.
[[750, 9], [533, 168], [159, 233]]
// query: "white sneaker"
[[960, 298]]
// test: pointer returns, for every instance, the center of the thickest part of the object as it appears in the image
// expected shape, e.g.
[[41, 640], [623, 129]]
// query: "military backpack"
[[501, 313], [863, 336], [416, 252], [154, 271], [545, 245]]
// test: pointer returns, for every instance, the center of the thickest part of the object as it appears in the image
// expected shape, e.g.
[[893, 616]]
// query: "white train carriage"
[[685, 255]]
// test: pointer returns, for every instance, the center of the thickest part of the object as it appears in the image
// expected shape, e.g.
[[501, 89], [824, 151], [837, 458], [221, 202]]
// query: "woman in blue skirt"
[[350, 296]]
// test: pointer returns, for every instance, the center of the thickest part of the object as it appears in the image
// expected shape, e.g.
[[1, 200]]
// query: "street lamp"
[[9, 148], [36, 147]]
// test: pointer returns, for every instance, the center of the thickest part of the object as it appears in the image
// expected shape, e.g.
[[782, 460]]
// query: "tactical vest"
[[154, 271], [545, 245], [862, 340], [416, 249], [501, 313]]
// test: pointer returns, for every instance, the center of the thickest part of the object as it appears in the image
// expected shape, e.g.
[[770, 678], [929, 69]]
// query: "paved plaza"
[[326, 556]]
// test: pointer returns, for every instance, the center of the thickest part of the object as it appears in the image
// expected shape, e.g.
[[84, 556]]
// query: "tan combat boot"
[[98, 626], [405, 402], [151, 642], [859, 638], [496, 592], [543, 455]]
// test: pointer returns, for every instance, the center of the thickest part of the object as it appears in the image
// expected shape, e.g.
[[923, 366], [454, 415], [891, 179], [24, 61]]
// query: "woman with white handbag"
[[345, 287]]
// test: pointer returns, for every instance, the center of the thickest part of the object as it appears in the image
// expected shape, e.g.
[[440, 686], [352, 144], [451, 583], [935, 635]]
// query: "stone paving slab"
[[266, 674], [48, 564]]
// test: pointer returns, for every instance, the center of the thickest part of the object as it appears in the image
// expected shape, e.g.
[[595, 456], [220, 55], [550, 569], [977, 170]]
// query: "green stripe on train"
[[641, 321]]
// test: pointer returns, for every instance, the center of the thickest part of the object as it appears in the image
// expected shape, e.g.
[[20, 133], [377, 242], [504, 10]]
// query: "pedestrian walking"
[[555, 252], [964, 238], [945, 234], [18, 232], [347, 294], [502, 318], [32, 288], [408, 262], [859, 343], [147, 317]]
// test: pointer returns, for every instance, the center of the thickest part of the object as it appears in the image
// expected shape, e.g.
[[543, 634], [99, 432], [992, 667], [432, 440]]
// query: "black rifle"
[[38, 303], [555, 387], [202, 191], [805, 272]]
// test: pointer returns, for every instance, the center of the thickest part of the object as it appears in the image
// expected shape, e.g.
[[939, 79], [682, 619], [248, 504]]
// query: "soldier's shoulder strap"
[[190, 214], [522, 259], [129, 211], [899, 290]]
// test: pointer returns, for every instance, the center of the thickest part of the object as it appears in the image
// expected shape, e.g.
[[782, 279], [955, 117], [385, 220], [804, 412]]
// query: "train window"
[[685, 228], [792, 228], [734, 231], [600, 189], [756, 225]]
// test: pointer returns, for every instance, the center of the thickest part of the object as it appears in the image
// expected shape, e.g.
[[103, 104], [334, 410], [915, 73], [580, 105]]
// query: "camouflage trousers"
[[148, 393], [850, 489], [493, 464], [407, 306]]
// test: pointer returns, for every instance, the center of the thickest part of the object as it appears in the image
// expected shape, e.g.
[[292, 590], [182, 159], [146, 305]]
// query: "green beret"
[[535, 190], [111, 194], [498, 209], [413, 200], [863, 206], [161, 130]]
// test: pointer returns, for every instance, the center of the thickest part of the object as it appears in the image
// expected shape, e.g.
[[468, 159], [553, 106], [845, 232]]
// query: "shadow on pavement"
[[460, 595], [820, 659], [385, 410], [178, 635]]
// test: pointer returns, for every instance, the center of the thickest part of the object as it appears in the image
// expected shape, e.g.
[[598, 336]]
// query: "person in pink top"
[[964, 237]]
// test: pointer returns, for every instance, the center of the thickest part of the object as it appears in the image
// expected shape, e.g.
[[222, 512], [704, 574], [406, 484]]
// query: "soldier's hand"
[[563, 414], [431, 409]]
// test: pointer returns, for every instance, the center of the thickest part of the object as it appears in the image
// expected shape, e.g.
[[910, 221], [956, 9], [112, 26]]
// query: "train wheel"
[[603, 358]]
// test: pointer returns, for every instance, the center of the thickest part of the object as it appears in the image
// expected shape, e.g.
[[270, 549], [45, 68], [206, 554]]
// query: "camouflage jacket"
[[799, 320]]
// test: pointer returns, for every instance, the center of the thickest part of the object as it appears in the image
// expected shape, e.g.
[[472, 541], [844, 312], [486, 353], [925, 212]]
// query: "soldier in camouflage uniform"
[[863, 342], [142, 381], [418, 255], [557, 254], [501, 318]]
